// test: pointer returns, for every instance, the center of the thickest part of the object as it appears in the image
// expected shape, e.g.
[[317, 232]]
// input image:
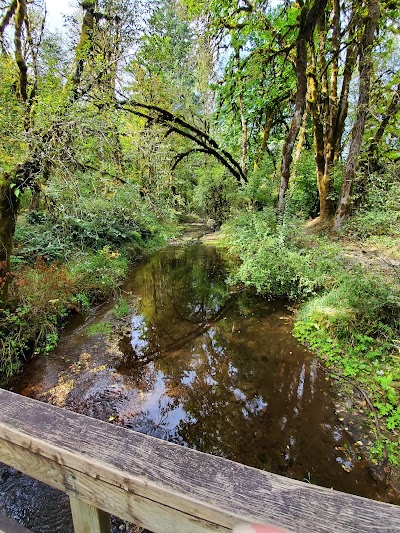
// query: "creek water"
[[200, 364]]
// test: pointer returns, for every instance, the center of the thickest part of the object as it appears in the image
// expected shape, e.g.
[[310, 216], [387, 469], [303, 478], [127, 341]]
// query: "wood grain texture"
[[11, 526], [89, 519], [167, 488]]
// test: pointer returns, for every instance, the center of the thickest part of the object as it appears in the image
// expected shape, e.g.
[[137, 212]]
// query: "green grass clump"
[[276, 260], [121, 309], [101, 328]]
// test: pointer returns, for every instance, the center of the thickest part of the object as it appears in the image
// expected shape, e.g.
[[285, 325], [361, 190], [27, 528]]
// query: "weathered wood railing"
[[164, 487]]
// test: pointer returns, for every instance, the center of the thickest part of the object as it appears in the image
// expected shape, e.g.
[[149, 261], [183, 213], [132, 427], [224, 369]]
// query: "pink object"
[[257, 528]]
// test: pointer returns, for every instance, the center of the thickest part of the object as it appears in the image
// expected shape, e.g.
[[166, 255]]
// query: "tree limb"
[[177, 125]]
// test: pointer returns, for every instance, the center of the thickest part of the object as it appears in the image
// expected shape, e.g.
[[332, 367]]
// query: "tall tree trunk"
[[391, 111], [365, 54], [308, 21], [300, 144], [244, 134], [349, 66], [323, 172], [300, 105], [326, 206], [8, 216], [84, 47], [319, 107]]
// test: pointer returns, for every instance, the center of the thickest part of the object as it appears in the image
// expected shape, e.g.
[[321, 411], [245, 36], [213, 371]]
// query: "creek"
[[200, 364]]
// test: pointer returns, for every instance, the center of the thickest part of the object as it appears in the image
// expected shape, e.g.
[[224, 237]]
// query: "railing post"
[[89, 519]]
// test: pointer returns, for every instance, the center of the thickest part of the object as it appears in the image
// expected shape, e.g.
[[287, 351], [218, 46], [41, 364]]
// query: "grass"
[[349, 312], [121, 309], [101, 328]]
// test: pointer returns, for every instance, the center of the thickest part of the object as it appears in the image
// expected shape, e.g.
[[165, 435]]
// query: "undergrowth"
[[349, 313], [63, 261]]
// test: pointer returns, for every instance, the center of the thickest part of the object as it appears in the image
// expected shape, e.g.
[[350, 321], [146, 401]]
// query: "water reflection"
[[219, 372], [209, 368]]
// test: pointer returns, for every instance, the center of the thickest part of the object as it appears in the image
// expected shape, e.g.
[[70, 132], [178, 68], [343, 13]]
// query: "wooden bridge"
[[163, 487]]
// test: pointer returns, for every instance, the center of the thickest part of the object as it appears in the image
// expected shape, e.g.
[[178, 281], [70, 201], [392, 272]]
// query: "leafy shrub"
[[367, 222], [261, 189], [47, 293], [121, 218], [378, 212], [42, 239], [355, 326], [214, 194], [302, 198], [274, 260], [99, 273]]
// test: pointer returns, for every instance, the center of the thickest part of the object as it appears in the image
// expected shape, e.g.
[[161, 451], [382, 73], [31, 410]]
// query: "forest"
[[273, 122]]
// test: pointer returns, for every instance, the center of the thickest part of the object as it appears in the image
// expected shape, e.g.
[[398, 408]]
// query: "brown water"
[[204, 366]]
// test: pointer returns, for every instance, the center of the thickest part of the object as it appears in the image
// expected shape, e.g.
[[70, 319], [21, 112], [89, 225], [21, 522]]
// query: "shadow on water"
[[206, 367]]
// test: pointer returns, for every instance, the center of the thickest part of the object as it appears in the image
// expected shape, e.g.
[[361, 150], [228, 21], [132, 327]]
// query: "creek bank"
[[347, 316], [187, 358], [45, 295]]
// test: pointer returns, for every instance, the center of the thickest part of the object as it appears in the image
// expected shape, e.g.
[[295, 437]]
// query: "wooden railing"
[[163, 487]]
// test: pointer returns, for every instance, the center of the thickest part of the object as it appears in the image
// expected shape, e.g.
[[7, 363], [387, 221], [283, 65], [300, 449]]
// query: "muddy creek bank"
[[188, 359]]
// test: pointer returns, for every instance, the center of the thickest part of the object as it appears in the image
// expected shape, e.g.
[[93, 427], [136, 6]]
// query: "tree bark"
[[318, 115], [391, 111], [84, 46], [8, 216], [300, 143], [244, 135], [350, 63], [6, 19], [365, 68], [20, 16], [308, 21]]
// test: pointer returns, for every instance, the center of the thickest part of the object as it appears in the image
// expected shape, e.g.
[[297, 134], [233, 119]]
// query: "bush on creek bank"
[[65, 260], [349, 312]]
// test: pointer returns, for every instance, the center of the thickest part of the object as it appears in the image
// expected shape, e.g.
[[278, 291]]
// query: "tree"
[[328, 110], [40, 140], [309, 17], [23, 93], [365, 72]]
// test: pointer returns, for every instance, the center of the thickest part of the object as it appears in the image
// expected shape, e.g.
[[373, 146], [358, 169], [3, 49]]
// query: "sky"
[[55, 11]]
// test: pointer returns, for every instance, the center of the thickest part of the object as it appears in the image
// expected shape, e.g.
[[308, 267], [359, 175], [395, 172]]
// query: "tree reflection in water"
[[210, 368], [219, 371]]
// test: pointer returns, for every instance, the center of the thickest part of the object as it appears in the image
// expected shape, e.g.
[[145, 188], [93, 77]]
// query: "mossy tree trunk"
[[365, 68], [309, 18], [9, 203]]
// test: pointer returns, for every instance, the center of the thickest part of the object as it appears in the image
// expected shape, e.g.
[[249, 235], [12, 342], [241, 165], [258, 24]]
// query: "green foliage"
[[391, 447], [121, 309], [214, 194], [97, 274], [68, 257], [354, 326], [379, 209], [47, 294], [273, 259], [302, 198], [101, 328], [261, 189]]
